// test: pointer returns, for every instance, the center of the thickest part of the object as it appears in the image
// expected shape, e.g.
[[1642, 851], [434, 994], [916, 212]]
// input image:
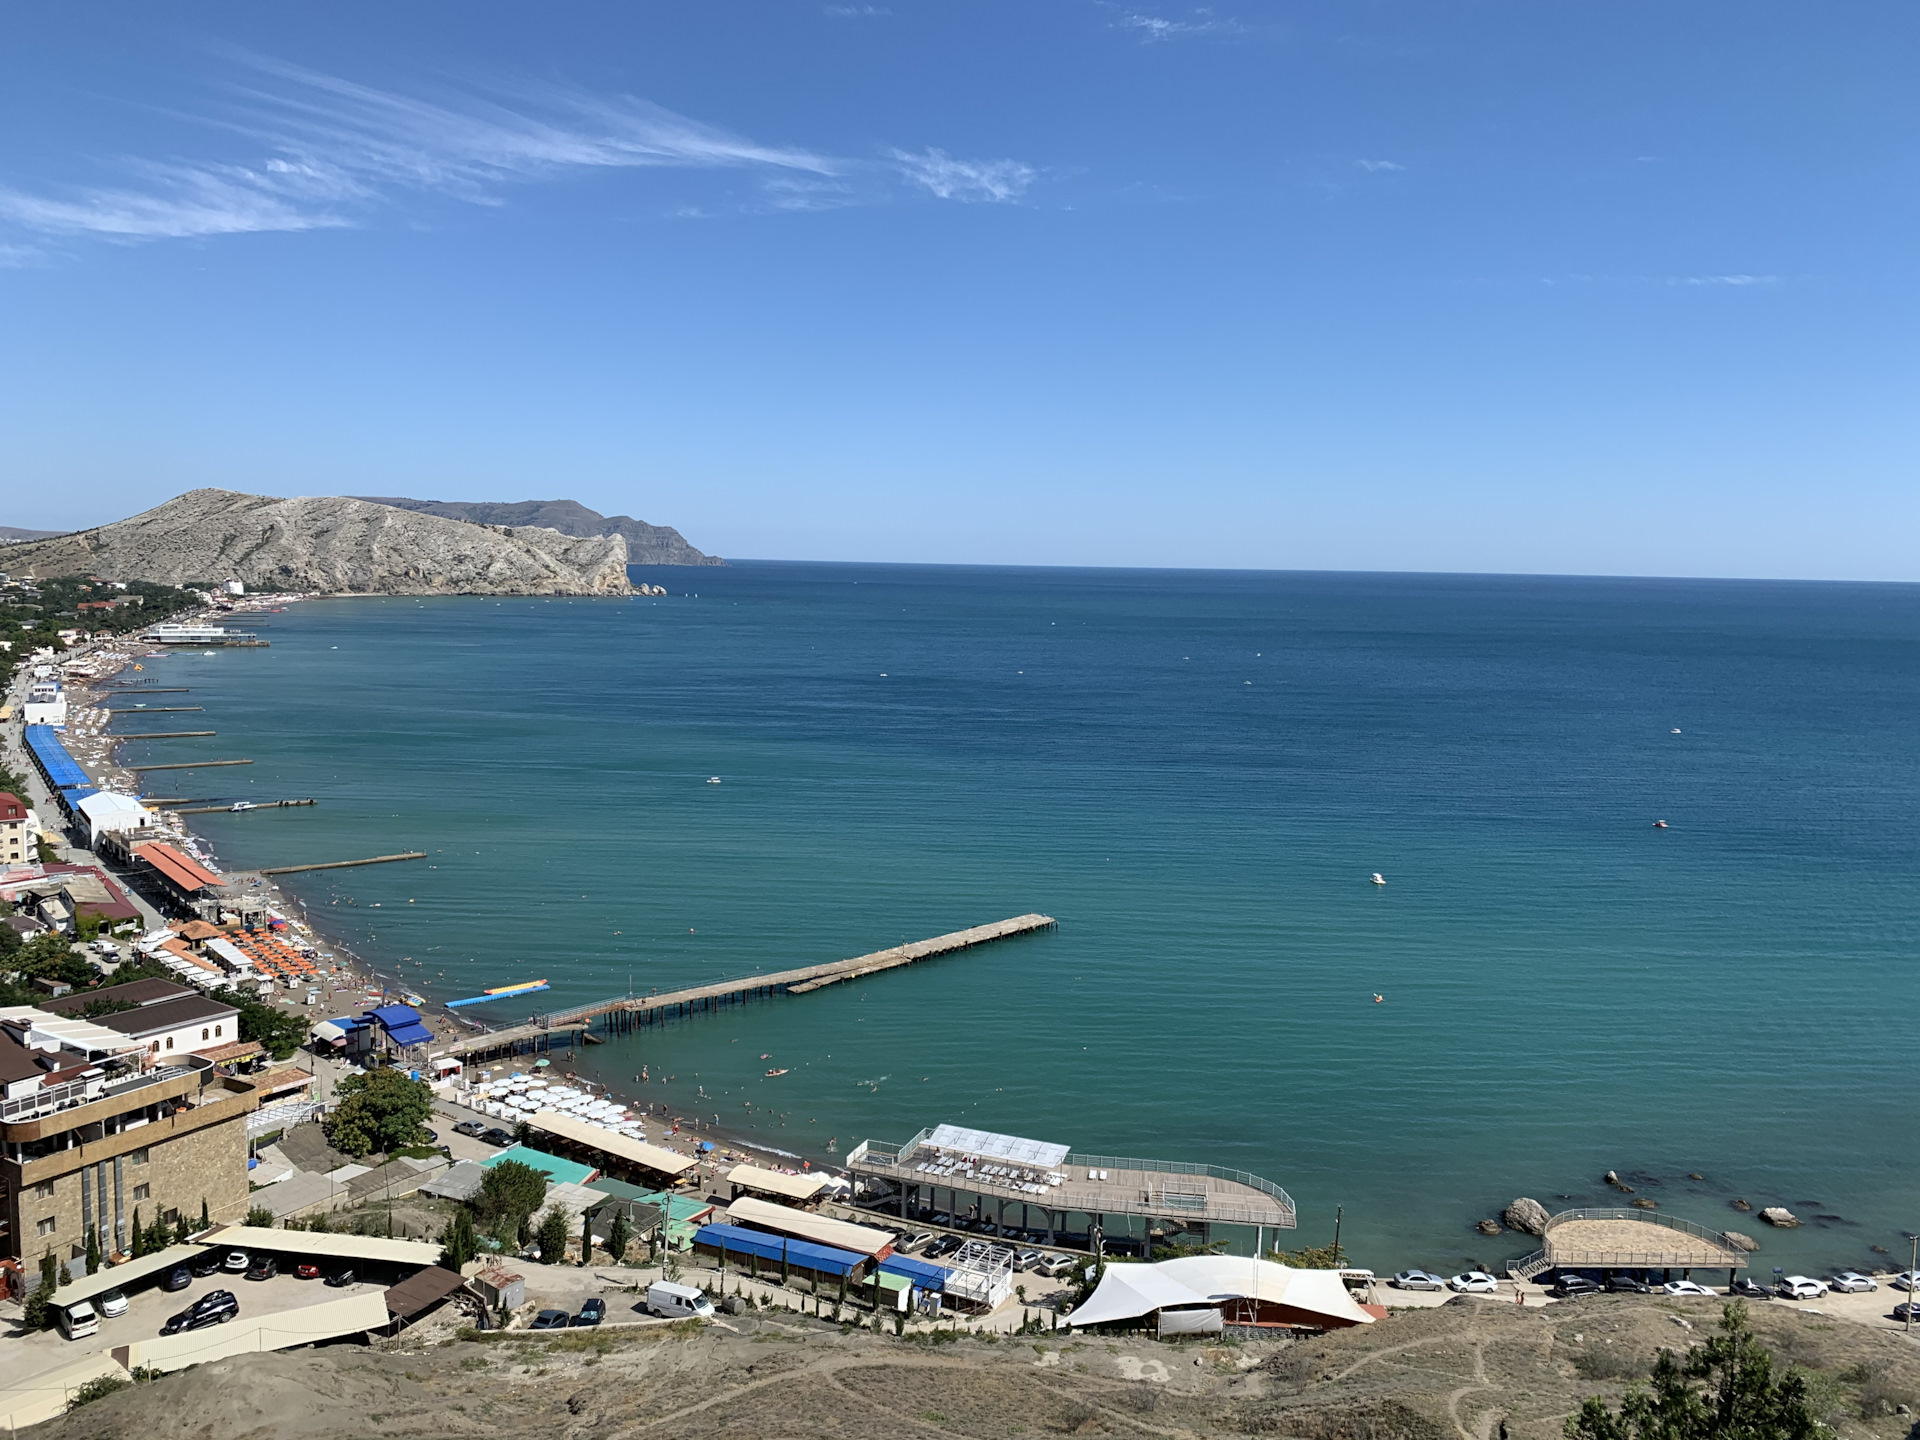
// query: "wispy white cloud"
[[846, 10], [1152, 28], [1737, 281], [1373, 166], [333, 149], [997, 181]]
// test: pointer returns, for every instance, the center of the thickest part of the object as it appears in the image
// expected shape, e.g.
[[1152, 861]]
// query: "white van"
[[676, 1302], [78, 1320]]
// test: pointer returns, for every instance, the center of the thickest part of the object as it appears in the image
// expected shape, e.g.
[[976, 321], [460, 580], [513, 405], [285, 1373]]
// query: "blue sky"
[[1394, 285]]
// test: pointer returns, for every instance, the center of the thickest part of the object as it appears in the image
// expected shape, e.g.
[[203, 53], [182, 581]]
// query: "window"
[[46, 1226], [216, 1032], [43, 1191], [143, 1192], [137, 1157], [169, 1042], [154, 1049], [205, 1034]]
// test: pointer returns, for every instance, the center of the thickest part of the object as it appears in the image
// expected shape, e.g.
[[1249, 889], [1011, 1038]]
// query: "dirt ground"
[[1464, 1371]]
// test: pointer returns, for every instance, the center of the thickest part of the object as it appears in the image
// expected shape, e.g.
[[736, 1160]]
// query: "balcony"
[[89, 1102]]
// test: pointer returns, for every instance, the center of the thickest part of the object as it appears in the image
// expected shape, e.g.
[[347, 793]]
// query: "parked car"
[[1749, 1287], [592, 1312], [914, 1241], [473, 1129], [1027, 1259], [178, 1278], [945, 1245], [216, 1307], [1852, 1282], [265, 1268], [551, 1320], [236, 1262], [497, 1136], [78, 1320], [1474, 1282], [1417, 1280], [1685, 1287], [1907, 1310], [1569, 1286], [112, 1304], [306, 1270], [1800, 1287], [1630, 1284], [206, 1263], [340, 1278], [1054, 1266], [433, 1136], [1908, 1280]]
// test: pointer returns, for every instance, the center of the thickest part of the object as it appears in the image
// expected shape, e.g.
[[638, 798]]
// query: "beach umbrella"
[[541, 1064]]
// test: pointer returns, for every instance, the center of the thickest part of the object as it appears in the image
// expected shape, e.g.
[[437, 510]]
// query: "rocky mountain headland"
[[646, 544], [329, 545]]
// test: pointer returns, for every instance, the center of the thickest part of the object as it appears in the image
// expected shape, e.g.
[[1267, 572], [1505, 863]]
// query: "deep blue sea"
[[1196, 773]]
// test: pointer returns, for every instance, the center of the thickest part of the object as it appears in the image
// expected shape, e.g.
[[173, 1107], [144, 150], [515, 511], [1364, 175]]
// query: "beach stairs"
[[1530, 1266]]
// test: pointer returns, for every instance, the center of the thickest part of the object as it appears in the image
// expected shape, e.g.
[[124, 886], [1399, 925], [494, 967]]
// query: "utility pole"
[[1338, 1211], [1913, 1263]]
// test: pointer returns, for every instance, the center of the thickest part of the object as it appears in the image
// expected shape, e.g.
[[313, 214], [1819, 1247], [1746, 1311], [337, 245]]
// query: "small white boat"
[[1378, 878], [713, 779]]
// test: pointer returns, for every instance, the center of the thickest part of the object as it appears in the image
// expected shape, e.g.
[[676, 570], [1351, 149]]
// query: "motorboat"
[[1378, 878]]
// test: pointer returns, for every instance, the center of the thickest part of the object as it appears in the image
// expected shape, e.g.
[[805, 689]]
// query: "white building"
[[46, 704], [234, 587], [15, 841], [109, 813]]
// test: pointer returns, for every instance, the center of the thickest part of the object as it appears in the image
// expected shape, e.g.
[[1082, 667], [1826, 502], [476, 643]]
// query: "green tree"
[[458, 1243], [181, 1228], [510, 1192], [1727, 1389], [1314, 1257], [93, 1250], [619, 1236], [260, 1217], [380, 1110], [551, 1237], [279, 1032], [37, 1312], [139, 1234], [205, 1223], [50, 957]]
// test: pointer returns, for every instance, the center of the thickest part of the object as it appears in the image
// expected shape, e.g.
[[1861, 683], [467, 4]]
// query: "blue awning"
[[394, 1016], [408, 1035], [60, 768], [737, 1240], [927, 1277]]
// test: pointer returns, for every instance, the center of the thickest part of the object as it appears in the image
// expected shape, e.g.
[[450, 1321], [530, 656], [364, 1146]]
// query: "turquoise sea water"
[[1196, 773]]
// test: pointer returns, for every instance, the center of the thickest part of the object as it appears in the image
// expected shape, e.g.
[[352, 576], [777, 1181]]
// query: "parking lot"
[[149, 1307]]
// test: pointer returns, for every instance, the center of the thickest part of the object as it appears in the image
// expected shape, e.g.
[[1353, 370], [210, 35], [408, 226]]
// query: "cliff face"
[[332, 544], [646, 544]]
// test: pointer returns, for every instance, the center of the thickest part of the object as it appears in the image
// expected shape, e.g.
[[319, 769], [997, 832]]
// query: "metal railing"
[[1717, 1238], [51, 1099]]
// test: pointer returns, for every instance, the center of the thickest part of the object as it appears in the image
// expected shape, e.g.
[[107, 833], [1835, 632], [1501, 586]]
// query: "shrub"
[[97, 1388]]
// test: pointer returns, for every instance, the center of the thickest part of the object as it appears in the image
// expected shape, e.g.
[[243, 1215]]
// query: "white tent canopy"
[[998, 1147], [1128, 1292]]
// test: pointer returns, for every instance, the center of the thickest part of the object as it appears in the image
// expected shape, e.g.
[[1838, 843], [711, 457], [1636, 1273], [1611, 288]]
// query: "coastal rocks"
[[329, 545], [1780, 1216], [1612, 1177], [1488, 1227], [1526, 1215], [1695, 1175], [1741, 1242], [1740, 1205], [1645, 1204]]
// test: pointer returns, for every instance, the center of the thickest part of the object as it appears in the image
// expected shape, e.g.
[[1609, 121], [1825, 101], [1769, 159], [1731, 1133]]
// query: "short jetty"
[[344, 864], [255, 805], [148, 690], [183, 764], [151, 710], [166, 735], [624, 1013]]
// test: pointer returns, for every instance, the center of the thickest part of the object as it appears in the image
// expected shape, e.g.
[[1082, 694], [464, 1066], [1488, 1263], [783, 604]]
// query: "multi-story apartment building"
[[14, 840], [93, 1128]]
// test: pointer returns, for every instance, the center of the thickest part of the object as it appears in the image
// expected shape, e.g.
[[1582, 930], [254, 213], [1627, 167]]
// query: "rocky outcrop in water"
[[1779, 1215], [646, 544], [330, 545], [1527, 1215]]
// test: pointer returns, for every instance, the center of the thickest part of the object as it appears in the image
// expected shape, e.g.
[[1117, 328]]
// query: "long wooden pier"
[[167, 735], [256, 805], [343, 864], [186, 764], [150, 710], [624, 1013]]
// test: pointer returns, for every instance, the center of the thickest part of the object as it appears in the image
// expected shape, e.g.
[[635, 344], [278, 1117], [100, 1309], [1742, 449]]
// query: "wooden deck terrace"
[[624, 1013], [1622, 1239], [1156, 1189]]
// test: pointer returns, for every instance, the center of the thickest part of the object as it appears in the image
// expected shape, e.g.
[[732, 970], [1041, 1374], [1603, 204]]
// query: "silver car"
[[1474, 1282], [1852, 1282], [1418, 1280]]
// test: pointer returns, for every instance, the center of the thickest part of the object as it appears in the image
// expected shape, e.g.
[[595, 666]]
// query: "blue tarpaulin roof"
[[78, 793], [737, 1240], [410, 1035], [927, 1277], [392, 1016], [62, 772], [347, 1022]]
